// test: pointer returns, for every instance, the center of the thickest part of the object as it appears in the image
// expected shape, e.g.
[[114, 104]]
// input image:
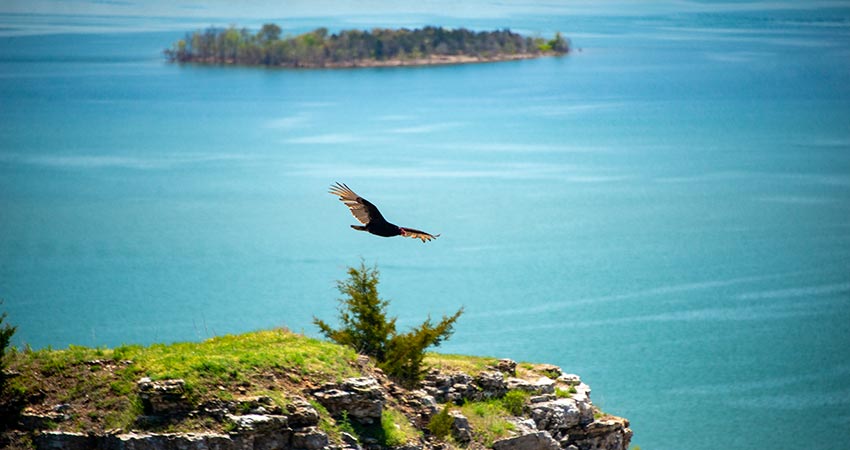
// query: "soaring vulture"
[[372, 220]]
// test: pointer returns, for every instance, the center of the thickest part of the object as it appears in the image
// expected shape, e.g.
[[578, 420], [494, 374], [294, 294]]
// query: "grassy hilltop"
[[98, 385]]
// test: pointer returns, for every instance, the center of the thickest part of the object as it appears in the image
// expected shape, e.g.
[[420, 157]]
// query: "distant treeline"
[[319, 48]]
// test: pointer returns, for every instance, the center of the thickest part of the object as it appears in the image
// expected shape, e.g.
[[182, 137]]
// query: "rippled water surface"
[[664, 211]]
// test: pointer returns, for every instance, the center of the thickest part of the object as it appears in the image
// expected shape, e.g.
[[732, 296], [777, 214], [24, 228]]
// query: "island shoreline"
[[438, 60]]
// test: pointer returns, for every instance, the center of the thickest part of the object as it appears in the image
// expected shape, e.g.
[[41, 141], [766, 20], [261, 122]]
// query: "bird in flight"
[[371, 218]]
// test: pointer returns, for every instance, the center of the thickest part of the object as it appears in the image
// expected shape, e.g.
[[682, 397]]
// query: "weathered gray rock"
[[461, 431], [421, 399], [491, 385], [545, 385], [309, 439], [541, 398], [540, 440], [548, 422], [550, 370], [423, 404], [556, 416], [569, 378], [63, 440], [453, 387], [350, 441], [60, 440], [361, 398], [31, 420], [170, 441], [281, 439], [255, 434], [507, 367], [163, 397], [258, 423], [523, 425], [301, 413], [582, 398], [542, 385], [609, 434]]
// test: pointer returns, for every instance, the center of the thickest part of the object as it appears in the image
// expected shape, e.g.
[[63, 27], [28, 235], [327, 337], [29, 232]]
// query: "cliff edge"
[[279, 390]]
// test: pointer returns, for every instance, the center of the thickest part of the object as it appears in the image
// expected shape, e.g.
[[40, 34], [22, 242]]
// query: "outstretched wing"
[[362, 210], [418, 234]]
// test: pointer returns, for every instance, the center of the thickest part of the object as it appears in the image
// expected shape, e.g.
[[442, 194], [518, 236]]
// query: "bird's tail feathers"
[[358, 227]]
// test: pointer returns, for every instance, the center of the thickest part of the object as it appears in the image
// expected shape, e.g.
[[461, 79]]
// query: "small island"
[[356, 48]]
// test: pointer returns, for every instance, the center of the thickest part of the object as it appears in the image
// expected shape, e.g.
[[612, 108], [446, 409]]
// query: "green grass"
[[226, 357], [327, 423], [459, 363], [565, 393], [233, 359], [397, 430], [246, 361], [488, 419]]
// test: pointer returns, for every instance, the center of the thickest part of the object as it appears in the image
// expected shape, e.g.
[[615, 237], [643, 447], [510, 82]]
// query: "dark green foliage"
[[269, 32], [441, 424], [514, 401], [319, 48], [559, 44], [366, 328], [6, 332], [344, 424], [405, 352]]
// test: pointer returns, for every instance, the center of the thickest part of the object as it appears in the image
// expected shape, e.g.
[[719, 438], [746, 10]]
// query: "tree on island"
[[320, 48], [366, 328], [268, 33]]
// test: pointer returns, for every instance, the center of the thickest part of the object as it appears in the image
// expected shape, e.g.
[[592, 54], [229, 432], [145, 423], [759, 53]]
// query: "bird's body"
[[372, 220]]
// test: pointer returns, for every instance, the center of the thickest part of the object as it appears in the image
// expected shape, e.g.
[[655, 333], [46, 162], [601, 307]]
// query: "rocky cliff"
[[549, 410]]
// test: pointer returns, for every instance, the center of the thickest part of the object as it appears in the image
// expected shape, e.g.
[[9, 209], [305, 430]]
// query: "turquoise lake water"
[[665, 211]]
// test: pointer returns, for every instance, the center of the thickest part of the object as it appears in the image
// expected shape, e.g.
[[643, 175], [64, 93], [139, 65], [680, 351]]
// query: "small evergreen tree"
[[366, 328]]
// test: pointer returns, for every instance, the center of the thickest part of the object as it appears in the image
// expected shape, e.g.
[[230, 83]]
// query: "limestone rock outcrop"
[[539, 440], [558, 415], [163, 397], [361, 398]]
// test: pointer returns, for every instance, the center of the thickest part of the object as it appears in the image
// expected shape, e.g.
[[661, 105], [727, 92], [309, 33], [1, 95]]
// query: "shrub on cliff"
[[366, 328], [440, 424], [514, 401]]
